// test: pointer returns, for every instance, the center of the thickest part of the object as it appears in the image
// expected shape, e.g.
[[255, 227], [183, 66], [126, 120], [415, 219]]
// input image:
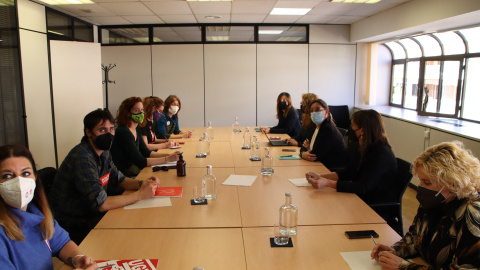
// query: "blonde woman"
[[30, 237], [446, 229], [306, 122]]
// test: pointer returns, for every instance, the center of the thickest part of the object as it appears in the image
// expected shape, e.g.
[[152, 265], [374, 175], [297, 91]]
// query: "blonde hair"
[[453, 166], [306, 100], [10, 223]]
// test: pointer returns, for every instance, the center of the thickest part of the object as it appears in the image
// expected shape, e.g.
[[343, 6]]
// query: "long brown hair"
[[170, 99], [148, 104], [373, 127], [124, 115], [306, 100], [289, 100], [10, 223]]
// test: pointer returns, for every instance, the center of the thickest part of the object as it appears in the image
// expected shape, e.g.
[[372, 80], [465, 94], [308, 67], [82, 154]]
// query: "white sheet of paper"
[[240, 180], [360, 260], [150, 203], [166, 164], [300, 182]]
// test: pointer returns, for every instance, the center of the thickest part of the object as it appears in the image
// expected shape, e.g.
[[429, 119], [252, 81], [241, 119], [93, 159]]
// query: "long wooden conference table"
[[233, 231]]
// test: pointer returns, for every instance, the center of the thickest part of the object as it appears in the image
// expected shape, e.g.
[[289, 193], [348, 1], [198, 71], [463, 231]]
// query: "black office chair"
[[47, 175], [393, 210], [341, 115]]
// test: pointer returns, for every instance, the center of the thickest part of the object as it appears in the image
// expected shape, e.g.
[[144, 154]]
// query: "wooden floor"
[[409, 207]]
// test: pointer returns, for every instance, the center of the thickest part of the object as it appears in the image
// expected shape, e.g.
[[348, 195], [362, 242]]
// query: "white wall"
[[178, 69], [77, 89]]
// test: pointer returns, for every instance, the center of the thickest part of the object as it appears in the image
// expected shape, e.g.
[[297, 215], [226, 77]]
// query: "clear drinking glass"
[[279, 237], [198, 196]]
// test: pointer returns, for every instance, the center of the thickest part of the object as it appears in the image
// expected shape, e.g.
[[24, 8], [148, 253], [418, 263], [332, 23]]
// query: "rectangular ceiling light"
[[66, 2], [290, 11], [356, 1], [270, 32]]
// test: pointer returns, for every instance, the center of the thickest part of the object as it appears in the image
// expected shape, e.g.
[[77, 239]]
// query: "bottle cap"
[[209, 166], [266, 148], [289, 194]]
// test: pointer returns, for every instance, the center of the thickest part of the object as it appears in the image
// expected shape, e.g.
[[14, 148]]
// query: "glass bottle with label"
[[209, 184], [181, 166], [288, 216], [209, 131], [267, 163], [255, 149], [247, 139], [236, 126], [205, 145]]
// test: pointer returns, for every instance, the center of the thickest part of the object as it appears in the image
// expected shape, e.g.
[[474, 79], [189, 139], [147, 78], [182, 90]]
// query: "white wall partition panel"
[[132, 75], [178, 70], [437, 137], [332, 73], [36, 88], [281, 68], [230, 76], [77, 89], [31, 16]]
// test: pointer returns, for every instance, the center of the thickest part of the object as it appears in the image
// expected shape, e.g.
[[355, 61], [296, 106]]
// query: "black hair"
[[93, 118]]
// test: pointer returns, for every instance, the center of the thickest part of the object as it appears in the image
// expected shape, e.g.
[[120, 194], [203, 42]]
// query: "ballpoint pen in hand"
[[373, 240], [165, 137]]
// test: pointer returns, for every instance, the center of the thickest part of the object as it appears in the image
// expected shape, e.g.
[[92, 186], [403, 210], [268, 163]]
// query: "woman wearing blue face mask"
[[325, 142], [30, 237], [446, 229], [129, 152]]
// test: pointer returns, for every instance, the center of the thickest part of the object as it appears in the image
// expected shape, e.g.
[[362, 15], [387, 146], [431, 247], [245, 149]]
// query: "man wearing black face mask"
[[81, 191]]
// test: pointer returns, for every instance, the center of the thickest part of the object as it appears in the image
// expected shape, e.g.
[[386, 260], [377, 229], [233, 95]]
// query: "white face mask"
[[173, 109], [18, 191]]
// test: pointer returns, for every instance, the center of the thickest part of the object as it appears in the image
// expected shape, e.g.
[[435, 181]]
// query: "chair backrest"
[[404, 176], [341, 115], [47, 175]]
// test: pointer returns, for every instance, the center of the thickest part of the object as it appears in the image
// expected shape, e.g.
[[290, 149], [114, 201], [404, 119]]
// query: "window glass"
[[411, 87], [177, 34], [413, 50], [449, 86], [398, 51], [83, 31], [131, 35], [472, 36], [282, 33], [430, 45], [431, 82], [397, 84], [471, 110], [230, 33], [58, 24], [452, 43]]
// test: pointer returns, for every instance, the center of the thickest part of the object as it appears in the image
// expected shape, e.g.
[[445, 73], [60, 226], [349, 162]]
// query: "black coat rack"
[[106, 69]]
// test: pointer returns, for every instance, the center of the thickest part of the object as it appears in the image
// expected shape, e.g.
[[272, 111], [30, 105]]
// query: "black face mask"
[[429, 199], [104, 141], [283, 105]]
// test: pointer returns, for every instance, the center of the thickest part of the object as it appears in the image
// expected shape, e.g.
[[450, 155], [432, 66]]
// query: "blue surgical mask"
[[317, 117]]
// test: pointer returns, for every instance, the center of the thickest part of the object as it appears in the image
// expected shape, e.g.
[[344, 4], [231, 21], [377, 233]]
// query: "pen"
[[373, 240], [287, 156], [105, 266], [165, 137]]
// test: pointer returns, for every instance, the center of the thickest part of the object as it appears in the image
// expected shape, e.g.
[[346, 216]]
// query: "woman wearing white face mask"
[[324, 143], [30, 237], [446, 229], [167, 124]]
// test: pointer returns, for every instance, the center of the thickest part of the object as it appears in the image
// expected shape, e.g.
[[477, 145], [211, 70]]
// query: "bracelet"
[[140, 182], [73, 259]]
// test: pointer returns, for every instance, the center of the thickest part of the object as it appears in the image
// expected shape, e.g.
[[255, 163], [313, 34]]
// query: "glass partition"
[[412, 48], [430, 46], [452, 43], [397, 50]]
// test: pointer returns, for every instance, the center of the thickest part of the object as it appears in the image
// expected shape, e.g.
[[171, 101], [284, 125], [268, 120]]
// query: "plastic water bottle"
[[254, 149], [267, 163], [247, 139], [209, 184], [236, 126], [205, 145], [288, 216], [209, 131]]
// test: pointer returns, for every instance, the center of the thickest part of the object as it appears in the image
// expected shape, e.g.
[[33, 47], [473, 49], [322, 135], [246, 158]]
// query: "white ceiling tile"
[[345, 19], [80, 10], [128, 8], [114, 1], [369, 10], [245, 18], [144, 19], [282, 18], [169, 7], [109, 20], [296, 4], [211, 8], [252, 7], [331, 9], [172, 19], [315, 19], [225, 18]]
